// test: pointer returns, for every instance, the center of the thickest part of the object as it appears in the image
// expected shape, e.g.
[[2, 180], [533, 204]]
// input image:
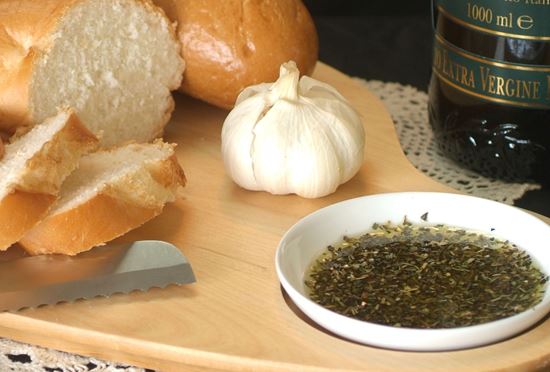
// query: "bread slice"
[[111, 193], [114, 61], [32, 170]]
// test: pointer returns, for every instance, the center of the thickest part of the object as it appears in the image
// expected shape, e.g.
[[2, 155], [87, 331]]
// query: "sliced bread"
[[32, 170], [111, 192], [114, 61]]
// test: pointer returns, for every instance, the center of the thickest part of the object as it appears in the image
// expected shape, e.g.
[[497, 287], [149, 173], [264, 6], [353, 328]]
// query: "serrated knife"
[[103, 271]]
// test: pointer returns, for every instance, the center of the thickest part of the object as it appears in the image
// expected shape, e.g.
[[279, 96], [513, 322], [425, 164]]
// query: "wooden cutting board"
[[236, 317]]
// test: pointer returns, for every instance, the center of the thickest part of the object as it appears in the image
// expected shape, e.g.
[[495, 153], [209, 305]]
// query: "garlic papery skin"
[[295, 136]]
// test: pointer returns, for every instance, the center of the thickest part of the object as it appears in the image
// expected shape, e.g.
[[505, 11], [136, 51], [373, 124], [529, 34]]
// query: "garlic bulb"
[[293, 136]]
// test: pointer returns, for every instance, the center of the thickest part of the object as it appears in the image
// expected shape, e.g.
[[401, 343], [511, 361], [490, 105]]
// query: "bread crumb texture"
[[41, 159], [141, 174], [114, 61]]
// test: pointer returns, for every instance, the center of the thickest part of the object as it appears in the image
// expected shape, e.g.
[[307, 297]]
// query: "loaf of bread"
[[114, 61], [231, 44], [32, 169], [111, 192]]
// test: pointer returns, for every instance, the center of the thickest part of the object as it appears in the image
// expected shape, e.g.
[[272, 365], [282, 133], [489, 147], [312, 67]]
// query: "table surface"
[[370, 40]]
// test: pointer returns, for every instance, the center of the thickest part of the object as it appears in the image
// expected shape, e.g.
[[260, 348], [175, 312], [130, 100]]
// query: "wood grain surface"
[[236, 317]]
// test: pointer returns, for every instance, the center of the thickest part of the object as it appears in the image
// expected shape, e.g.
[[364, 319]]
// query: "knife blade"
[[102, 271]]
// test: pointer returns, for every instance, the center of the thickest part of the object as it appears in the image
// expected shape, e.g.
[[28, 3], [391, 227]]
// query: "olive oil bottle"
[[489, 101]]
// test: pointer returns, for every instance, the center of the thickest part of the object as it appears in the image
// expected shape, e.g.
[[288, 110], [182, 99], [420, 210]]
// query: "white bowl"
[[312, 234]]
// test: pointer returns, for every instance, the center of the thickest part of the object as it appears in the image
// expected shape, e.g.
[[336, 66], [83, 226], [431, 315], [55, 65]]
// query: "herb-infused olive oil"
[[490, 89], [425, 277]]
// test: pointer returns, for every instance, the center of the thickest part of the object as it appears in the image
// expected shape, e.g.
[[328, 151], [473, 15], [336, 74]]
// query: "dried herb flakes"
[[425, 277]]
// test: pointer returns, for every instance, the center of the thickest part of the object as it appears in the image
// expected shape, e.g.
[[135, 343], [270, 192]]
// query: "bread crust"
[[19, 212], [231, 44], [169, 173], [91, 224]]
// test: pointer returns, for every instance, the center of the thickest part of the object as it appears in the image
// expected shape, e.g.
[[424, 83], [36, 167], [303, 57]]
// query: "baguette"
[[112, 192], [33, 167], [114, 61], [231, 44]]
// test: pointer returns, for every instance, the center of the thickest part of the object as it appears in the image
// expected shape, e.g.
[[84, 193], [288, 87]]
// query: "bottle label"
[[492, 80], [524, 19]]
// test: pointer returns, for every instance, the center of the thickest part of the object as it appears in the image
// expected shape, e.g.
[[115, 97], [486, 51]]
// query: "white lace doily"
[[408, 108], [15, 356]]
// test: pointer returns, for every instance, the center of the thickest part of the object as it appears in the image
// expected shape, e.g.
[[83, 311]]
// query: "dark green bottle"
[[490, 89]]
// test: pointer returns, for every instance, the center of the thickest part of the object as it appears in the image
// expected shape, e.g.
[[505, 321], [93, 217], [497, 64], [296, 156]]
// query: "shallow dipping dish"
[[310, 236]]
